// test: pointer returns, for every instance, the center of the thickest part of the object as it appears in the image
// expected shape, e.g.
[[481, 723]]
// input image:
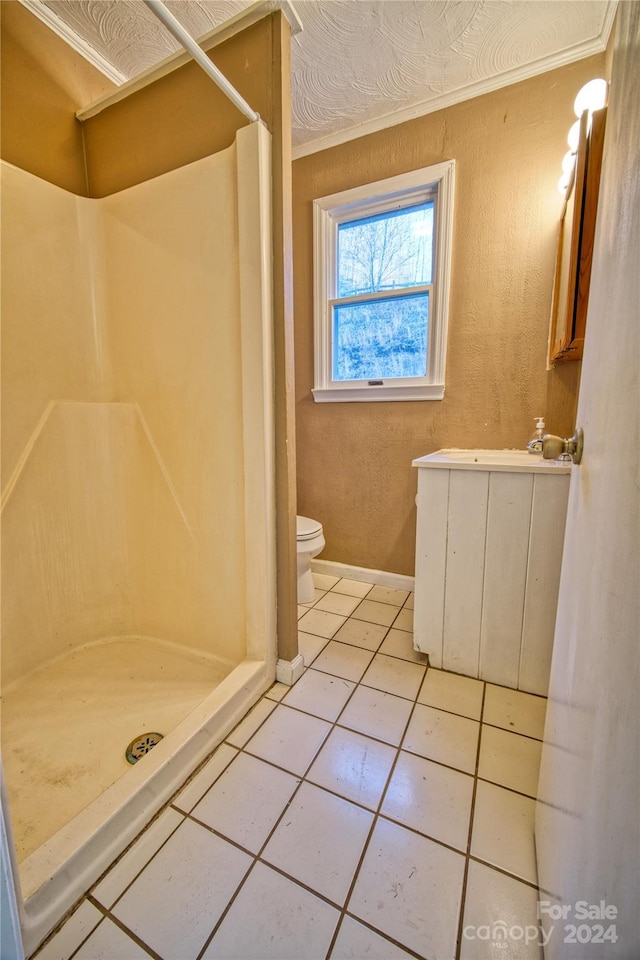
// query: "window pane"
[[385, 252], [381, 339]]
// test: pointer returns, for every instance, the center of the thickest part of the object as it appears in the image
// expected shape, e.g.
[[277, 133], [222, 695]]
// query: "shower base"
[[74, 801], [66, 727]]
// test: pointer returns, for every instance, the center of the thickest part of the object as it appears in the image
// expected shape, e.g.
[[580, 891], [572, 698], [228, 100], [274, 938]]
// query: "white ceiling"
[[358, 65]]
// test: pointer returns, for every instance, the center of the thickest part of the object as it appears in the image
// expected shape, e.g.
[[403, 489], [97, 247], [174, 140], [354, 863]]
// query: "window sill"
[[386, 393]]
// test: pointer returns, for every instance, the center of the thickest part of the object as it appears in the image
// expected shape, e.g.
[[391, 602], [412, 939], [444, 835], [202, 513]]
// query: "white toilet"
[[310, 544]]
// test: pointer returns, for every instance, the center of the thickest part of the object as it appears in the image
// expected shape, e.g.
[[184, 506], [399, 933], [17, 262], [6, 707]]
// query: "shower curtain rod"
[[198, 54]]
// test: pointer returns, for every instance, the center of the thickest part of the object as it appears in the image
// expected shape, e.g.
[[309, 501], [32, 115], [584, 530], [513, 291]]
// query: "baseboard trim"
[[334, 569], [288, 671]]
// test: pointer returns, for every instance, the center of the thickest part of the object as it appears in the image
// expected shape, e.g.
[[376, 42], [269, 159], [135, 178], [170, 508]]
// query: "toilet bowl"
[[310, 542]]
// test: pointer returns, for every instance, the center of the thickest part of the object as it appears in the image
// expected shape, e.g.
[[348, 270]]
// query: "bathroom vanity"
[[490, 533]]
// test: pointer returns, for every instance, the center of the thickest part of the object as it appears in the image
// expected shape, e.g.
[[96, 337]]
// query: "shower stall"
[[138, 519]]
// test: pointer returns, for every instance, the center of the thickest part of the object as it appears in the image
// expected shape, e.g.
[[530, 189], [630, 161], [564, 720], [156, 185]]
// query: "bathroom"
[[352, 463]]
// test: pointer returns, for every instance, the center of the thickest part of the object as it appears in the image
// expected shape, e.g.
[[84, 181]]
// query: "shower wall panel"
[[123, 477], [171, 249]]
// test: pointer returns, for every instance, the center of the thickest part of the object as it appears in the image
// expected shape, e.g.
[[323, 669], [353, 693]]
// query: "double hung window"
[[382, 262]]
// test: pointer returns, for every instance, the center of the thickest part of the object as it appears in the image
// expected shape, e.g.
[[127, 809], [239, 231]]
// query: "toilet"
[[310, 542]]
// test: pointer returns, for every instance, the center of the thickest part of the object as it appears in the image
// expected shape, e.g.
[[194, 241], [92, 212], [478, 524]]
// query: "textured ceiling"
[[366, 63]]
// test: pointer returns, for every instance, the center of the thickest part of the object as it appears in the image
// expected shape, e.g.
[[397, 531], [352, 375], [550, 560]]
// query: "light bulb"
[[574, 136], [564, 182], [593, 96], [568, 162]]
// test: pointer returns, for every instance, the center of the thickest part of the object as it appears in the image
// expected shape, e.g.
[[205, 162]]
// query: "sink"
[[516, 461]]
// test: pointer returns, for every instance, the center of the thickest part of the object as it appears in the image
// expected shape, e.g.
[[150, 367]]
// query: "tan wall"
[[354, 459], [181, 117], [43, 83]]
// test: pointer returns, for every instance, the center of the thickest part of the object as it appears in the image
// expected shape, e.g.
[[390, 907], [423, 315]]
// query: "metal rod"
[[198, 54]]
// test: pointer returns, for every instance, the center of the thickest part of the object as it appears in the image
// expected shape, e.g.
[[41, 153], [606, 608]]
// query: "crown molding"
[[48, 17], [580, 51]]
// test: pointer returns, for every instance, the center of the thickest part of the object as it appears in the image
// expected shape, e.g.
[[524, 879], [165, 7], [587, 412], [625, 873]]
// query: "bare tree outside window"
[[384, 338]]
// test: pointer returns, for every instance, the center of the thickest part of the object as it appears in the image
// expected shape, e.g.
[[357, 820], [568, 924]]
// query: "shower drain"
[[141, 745]]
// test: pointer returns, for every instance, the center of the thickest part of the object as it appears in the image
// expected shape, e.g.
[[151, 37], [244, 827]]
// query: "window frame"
[[436, 183]]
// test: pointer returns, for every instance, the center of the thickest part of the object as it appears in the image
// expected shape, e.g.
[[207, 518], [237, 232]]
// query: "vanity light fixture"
[[592, 96]]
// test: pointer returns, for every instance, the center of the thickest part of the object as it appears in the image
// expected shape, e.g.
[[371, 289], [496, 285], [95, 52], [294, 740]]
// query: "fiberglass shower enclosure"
[[138, 589]]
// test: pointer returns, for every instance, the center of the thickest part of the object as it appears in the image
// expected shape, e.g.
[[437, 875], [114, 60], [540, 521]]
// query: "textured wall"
[[180, 117], [44, 82], [354, 459]]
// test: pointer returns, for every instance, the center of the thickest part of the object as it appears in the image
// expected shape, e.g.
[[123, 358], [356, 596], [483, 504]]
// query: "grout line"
[[91, 932], [465, 876], [504, 871], [106, 915]]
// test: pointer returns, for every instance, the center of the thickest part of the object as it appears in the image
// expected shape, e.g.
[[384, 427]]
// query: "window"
[[382, 263]]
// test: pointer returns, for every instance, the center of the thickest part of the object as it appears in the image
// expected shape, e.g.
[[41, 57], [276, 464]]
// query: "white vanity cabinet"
[[490, 533]]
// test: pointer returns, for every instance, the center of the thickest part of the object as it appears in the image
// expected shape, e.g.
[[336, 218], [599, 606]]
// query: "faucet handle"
[[554, 447]]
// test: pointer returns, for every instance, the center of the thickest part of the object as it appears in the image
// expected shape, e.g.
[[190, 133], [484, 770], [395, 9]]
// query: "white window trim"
[[337, 208]]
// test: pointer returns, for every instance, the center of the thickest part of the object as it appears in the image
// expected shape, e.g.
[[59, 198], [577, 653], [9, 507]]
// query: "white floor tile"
[[448, 691], [246, 802], [388, 595], [357, 942], [377, 714], [338, 603], [273, 918], [321, 694], [404, 620], [410, 889], [444, 737], [360, 633], [289, 739], [317, 595], [302, 610], [382, 613], [503, 825], [430, 798], [310, 646], [278, 691], [399, 677], [399, 643], [109, 942], [515, 711], [498, 904], [343, 660], [321, 623], [354, 766], [353, 588], [323, 581], [319, 841], [130, 865], [245, 730], [178, 898], [196, 788], [510, 760], [70, 936], [409, 602]]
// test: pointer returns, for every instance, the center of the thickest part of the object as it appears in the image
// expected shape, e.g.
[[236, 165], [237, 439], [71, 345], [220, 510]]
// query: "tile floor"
[[376, 809]]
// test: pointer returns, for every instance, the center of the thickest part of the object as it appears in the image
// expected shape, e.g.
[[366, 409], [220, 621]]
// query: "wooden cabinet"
[[490, 532], [575, 244]]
